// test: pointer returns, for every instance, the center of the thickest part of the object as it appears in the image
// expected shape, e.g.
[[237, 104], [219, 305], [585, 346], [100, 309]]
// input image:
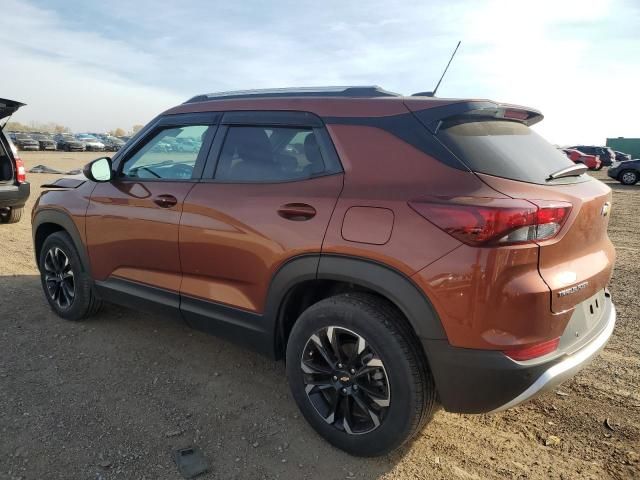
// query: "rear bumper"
[[14, 195], [568, 366], [477, 381]]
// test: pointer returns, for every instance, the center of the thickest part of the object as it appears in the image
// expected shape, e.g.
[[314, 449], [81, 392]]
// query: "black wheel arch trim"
[[390, 283], [375, 276], [66, 223]]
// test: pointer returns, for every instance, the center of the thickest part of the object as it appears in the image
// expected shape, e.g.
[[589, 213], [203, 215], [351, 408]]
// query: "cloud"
[[97, 65]]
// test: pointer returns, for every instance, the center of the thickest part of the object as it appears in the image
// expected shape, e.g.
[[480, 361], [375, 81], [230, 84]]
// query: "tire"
[[628, 177], [82, 302], [390, 354], [12, 215]]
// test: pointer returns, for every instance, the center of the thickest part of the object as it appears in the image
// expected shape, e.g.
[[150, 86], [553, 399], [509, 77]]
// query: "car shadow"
[[616, 185], [125, 389]]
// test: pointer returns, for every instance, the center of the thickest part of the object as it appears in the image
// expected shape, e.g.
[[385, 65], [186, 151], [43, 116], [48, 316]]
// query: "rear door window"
[[504, 149], [269, 154]]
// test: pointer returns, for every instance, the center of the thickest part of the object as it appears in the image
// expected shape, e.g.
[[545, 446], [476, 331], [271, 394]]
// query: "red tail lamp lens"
[[494, 221], [21, 174], [533, 351]]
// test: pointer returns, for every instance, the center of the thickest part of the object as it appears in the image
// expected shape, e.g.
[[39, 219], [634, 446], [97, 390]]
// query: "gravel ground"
[[113, 396]]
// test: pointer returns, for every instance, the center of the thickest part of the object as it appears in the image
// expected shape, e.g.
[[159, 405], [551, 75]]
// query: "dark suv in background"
[[399, 252], [606, 154], [68, 143], [14, 188]]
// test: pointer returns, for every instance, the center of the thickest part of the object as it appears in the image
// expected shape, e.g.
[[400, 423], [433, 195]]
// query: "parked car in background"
[[621, 156], [111, 144], [627, 172], [24, 141], [68, 143], [606, 154], [320, 256], [124, 138], [45, 141], [91, 143], [576, 156], [14, 188]]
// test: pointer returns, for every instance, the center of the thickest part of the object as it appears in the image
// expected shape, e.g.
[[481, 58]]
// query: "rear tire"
[[379, 392], [12, 215], [628, 177], [67, 286]]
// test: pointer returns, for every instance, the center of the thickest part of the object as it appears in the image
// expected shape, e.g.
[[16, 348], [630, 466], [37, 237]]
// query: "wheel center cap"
[[344, 378]]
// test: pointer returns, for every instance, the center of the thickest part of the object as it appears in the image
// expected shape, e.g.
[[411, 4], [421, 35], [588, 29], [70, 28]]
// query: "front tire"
[[67, 287], [628, 177], [358, 375], [11, 215]]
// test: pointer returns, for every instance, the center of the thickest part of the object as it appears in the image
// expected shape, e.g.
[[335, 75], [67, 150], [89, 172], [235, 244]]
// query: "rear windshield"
[[504, 149]]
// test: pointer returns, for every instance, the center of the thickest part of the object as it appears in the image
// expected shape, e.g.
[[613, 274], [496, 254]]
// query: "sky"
[[95, 66]]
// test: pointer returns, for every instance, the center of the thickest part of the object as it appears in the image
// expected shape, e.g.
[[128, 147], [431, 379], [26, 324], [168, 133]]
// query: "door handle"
[[165, 201], [297, 211]]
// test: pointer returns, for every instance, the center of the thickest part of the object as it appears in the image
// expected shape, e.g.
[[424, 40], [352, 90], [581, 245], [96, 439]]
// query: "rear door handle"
[[297, 211], [165, 201]]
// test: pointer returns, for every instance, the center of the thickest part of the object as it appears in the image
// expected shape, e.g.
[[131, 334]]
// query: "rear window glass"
[[504, 149]]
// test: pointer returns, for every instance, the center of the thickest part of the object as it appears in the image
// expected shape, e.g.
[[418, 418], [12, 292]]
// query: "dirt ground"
[[113, 396]]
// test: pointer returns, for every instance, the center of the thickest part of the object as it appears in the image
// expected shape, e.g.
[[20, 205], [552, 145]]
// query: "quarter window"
[[269, 154], [170, 155]]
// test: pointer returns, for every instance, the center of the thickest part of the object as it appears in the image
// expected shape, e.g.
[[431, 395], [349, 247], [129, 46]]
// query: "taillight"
[[533, 351], [480, 221], [21, 174]]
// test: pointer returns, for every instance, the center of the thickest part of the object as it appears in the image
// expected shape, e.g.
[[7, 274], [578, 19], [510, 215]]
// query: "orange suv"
[[398, 252]]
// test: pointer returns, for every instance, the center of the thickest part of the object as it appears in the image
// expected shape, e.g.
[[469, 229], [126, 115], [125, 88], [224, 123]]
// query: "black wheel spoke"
[[68, 291], [55, 292], [377, 397], [347, 420], [315, 380], [366, 410], [332, 336], [312, 367], [328, 356], [337, 399]]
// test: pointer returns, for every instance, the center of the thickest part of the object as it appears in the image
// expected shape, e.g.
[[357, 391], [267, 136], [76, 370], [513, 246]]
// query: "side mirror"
[[99, 170]]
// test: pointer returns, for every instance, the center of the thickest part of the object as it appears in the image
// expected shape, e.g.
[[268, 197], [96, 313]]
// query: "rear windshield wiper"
[[570, 171]]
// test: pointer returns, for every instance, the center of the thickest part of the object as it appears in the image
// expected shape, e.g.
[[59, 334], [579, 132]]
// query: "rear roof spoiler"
[[433, 117]]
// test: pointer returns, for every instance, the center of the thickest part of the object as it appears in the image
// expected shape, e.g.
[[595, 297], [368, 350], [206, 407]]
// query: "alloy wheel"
[[345, 380], [629, 178], [59, 277]]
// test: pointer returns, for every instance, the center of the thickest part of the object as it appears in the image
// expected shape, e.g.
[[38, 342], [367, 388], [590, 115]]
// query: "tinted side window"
[[171, 154], [269, 154]]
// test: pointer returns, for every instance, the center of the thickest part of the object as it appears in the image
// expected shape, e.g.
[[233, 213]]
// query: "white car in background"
[[91, 143]]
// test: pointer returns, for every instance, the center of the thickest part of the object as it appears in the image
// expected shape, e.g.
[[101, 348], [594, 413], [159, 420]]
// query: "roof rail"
[[344, 92]]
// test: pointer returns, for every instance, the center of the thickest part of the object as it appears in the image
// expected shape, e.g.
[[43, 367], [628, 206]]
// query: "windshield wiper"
[[570, 171]]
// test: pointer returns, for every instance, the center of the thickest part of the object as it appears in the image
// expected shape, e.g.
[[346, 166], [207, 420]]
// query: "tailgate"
[[578, 262]]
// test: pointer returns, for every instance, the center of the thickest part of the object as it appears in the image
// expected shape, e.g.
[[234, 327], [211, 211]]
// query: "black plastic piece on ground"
[[190, 462]]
